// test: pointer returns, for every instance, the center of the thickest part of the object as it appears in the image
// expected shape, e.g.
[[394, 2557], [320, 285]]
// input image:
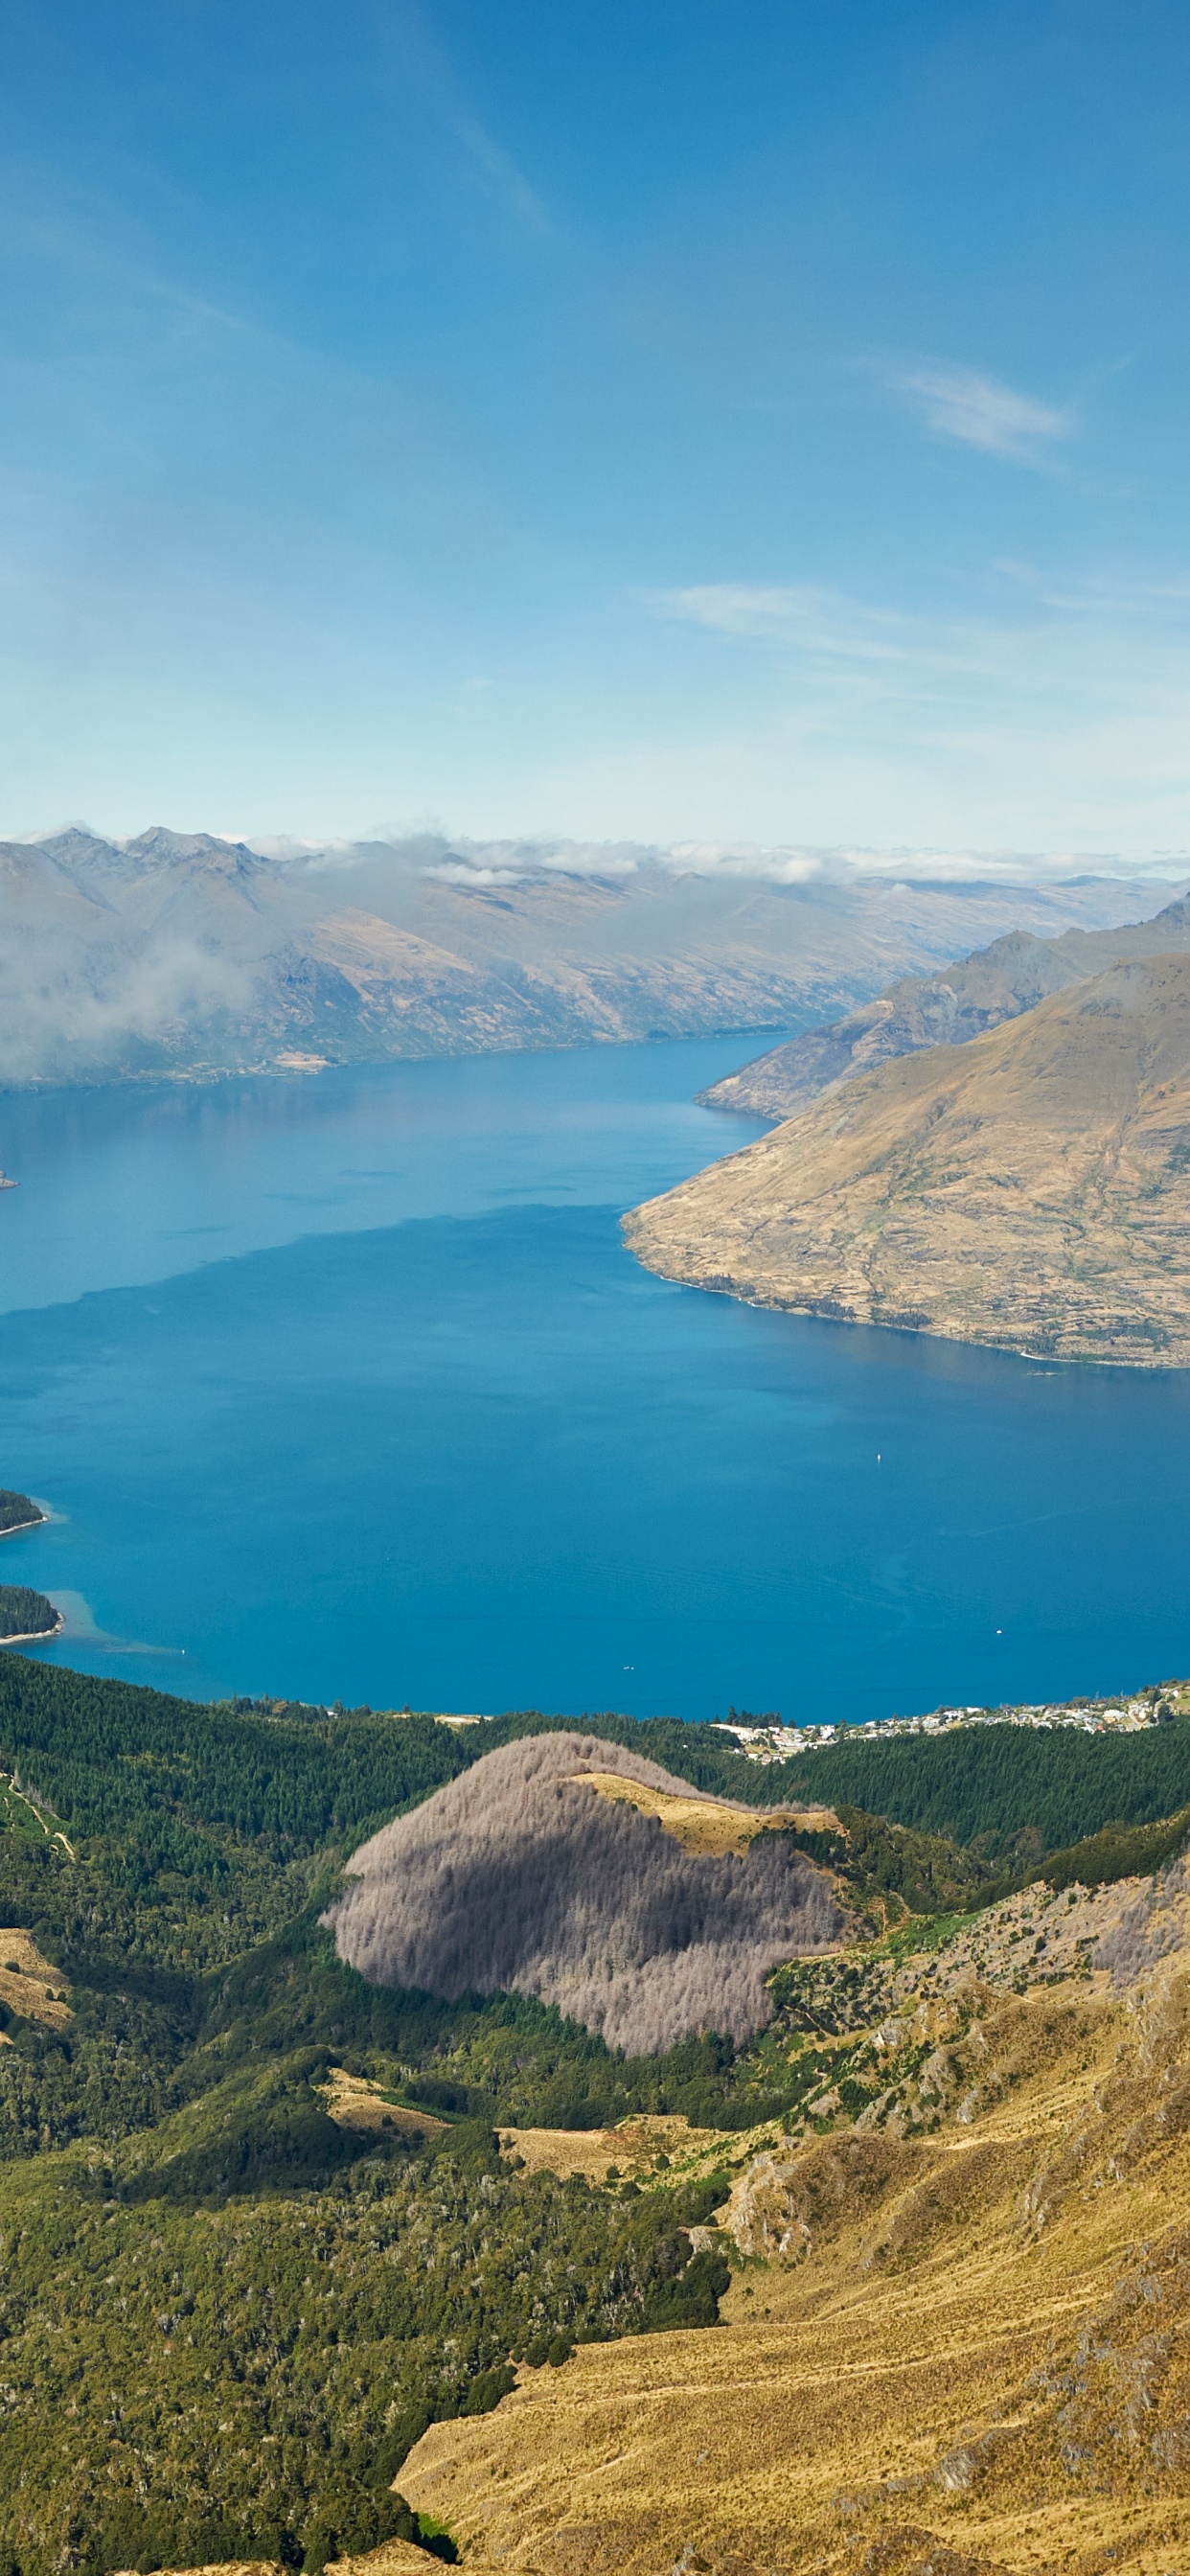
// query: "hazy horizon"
[[511, 855]]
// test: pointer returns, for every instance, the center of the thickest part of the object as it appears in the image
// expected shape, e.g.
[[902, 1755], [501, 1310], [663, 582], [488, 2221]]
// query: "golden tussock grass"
[[706, 1826], [393, 2558], [633, 2147], [355, 2102], [237, 2567], [973, 2359], [28, 1983]]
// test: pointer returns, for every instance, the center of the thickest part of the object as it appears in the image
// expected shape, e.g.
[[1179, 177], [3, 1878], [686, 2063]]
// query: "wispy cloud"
[[750, 860], [801, 617], [426, 68], [495, 171], [976, 411], [883, 652], [741, 607], [470, 863], [1046, 715]]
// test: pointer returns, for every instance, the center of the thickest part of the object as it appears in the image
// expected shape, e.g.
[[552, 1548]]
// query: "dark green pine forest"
[[224, 2319], [24, 1613]]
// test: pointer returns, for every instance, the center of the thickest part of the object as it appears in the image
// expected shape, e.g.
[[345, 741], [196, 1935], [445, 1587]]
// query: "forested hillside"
[[174, 1786], [1007, 1791], [261, 2350], [104, 1753], [25, 1613], [200, 2263], [223, 2315]]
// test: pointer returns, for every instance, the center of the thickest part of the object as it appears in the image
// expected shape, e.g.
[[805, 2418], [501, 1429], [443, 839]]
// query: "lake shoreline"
[[36, 1636], [584, 1488]]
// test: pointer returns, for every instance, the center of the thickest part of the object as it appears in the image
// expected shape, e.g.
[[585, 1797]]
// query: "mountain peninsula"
[[961, 1001], [1029, 1189]]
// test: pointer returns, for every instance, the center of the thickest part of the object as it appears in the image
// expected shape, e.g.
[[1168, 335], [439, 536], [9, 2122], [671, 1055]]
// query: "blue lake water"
[[348, 1389]]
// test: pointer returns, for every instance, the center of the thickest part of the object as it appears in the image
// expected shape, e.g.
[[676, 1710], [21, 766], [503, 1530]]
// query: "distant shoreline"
[[15, 1527]]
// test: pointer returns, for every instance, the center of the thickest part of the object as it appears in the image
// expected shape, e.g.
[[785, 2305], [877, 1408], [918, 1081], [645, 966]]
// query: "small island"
[[24, 1613], [17, 1512]]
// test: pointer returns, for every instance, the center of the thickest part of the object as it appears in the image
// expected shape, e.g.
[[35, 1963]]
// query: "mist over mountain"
[[519, 1877], [186, 954]]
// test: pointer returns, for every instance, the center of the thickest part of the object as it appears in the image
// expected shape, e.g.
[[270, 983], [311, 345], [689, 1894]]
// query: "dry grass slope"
[[29, 1985], [356, 2102], [1030, 1189], [706, 1826], [964, 2352], [633, 2147], [957, 2341]]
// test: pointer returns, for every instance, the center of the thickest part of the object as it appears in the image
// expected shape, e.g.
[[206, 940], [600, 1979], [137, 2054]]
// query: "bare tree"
[[519, 1877]]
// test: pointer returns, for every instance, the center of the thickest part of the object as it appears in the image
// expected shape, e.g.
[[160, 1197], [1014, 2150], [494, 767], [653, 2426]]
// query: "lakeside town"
[[767, 1740]]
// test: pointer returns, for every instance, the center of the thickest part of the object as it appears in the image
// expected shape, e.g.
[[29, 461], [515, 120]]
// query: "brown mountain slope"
[[1031, 1189], [958, 2343], [958, 1003]]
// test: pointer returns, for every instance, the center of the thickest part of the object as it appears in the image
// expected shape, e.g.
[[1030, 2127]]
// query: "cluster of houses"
[[769, 1741]]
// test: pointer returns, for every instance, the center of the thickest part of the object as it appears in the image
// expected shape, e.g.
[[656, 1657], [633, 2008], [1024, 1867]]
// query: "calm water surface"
[[348, 1389]]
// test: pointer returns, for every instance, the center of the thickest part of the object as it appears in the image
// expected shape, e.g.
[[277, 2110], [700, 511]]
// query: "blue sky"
[[719, 424]]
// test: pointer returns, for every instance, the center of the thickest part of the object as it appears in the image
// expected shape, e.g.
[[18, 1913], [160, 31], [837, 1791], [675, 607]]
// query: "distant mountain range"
[[183, 954], [1030, 1188], [945, 1009]]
